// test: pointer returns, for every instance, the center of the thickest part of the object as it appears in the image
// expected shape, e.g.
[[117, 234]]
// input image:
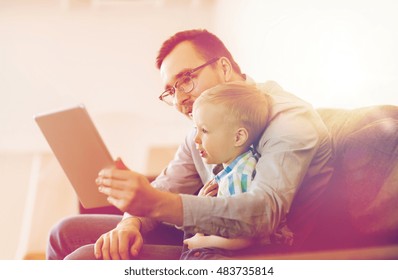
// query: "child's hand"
[[195, 241], [209, 189]]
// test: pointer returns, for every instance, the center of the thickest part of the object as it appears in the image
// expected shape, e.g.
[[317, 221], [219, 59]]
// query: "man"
[[295, 163]]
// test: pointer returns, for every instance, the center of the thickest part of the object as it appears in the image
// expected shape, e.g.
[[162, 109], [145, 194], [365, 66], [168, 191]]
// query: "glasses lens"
[[185, 85]]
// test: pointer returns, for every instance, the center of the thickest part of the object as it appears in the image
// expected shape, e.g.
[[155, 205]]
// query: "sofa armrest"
[[389, 252]]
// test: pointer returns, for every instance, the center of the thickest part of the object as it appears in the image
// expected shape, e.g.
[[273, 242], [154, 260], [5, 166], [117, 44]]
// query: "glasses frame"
[[172, 90]]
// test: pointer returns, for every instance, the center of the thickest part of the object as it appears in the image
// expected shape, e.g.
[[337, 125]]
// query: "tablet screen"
[[78, 147]]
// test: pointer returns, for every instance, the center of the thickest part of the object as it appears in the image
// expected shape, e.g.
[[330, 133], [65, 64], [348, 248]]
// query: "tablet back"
[[79, 149]]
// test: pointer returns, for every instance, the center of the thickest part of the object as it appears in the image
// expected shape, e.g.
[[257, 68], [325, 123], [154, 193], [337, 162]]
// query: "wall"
[[58, 53], [100, 53], [332, 53]]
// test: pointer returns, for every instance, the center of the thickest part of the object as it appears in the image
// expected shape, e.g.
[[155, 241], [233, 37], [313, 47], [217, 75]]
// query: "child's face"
[[215, 138]]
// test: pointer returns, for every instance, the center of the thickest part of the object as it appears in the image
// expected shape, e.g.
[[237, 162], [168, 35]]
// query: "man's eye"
[[184, 83]]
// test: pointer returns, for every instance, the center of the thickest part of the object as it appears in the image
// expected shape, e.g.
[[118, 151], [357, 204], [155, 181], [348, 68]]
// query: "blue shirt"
[[236, 177]]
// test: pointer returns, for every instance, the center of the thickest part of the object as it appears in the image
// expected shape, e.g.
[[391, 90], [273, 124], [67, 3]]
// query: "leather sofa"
[[362, 204], [359, 216]]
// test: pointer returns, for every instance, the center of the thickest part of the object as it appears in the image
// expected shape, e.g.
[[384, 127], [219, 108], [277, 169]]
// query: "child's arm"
[[200, 241]]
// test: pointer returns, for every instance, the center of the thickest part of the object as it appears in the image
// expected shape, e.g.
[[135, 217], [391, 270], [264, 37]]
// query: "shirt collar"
[[231, 166]]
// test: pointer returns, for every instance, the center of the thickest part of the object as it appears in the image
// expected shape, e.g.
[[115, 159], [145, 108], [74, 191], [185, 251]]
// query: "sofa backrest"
[[361, 203]]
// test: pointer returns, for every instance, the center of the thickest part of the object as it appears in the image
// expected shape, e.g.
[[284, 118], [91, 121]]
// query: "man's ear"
[[241, 136], [226, 68]]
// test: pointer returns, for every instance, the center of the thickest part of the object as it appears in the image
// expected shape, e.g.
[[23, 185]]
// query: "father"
[[280, 209]]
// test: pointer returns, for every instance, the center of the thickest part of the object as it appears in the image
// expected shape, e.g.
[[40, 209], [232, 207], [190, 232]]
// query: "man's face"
[[182, 58]]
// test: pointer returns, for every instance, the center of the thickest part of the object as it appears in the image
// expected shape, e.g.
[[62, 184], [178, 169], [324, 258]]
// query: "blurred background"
[[59, 53]]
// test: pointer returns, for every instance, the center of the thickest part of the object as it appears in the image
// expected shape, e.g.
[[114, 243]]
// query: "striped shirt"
[[236, 177]]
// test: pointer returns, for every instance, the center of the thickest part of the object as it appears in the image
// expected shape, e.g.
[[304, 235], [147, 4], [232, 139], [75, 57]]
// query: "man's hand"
[[127, 190], [121, 242], [131, 192]]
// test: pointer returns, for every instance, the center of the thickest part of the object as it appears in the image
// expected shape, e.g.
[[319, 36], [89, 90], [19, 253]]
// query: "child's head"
[[229, 118]]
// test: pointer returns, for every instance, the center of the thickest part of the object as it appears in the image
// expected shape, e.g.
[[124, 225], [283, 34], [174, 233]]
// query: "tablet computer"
[[77, 145]]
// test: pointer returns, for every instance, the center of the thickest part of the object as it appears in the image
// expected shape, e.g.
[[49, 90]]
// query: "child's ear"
[[241, 136]]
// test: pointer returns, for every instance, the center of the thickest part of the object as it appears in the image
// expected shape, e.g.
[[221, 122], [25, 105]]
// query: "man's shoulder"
[[283, 101], [279, 94], [297, 117], [269, 86]]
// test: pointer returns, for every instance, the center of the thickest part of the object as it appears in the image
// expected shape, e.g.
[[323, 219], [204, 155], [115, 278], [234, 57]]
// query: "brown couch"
[[361, 209], [359, 216]]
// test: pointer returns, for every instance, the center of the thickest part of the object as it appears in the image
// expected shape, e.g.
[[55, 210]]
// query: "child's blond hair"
[[244, 105]]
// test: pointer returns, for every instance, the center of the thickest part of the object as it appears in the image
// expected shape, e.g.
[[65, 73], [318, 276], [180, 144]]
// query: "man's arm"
[[288, 147]]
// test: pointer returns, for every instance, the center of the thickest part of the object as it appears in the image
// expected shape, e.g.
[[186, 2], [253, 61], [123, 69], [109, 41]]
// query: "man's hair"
[[243, 104], [207, 45]]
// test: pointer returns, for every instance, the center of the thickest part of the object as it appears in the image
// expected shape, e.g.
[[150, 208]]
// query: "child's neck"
[[239, 151]]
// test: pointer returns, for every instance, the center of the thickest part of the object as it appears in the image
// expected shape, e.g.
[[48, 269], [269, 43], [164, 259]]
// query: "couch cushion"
[[361, 203]]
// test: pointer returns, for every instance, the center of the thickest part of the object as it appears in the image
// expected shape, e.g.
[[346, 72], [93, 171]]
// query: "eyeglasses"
[[185, 84]]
